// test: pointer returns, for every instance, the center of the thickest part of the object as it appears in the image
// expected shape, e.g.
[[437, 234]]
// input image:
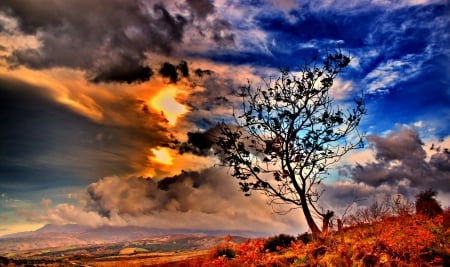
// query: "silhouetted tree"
[[287, 135], [426, 204]]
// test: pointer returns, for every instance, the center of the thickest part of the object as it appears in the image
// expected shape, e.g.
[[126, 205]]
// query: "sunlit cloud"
[[65, 86], [165, 162], [162, 156], [165, 102]]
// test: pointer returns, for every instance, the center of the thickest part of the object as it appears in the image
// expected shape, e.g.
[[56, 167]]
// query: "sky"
[[93, 94]]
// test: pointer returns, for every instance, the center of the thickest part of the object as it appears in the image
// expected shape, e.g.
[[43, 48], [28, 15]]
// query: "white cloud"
[[364, 4], [418, 124], [341, 89], [389, 74], [403, 3]]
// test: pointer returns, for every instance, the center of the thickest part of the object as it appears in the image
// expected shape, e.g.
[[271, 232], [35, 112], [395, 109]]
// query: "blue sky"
[[92, 93]]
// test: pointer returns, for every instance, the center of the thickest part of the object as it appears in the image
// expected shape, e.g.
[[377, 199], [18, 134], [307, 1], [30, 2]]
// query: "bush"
[[277, 242], [305, 238], [427, 205], [226, 252]]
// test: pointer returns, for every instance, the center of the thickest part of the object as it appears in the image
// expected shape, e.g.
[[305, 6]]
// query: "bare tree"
[[288, 133]]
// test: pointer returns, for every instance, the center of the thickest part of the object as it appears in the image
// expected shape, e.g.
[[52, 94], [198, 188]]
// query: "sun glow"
[[166, 103], [162, 156]]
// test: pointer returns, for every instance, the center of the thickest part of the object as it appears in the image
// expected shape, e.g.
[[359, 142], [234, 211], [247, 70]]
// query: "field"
[[148, 252], [141, 259]]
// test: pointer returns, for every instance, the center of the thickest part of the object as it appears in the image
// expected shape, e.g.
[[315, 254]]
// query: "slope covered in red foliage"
[[403, 240]]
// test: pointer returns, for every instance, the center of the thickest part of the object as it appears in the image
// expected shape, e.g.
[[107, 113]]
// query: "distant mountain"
[[48, 229], [66, 228], [72, 234]]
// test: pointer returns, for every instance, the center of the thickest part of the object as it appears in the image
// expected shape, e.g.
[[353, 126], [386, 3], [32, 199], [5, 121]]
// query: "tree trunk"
[[326, 221], [309, 219]]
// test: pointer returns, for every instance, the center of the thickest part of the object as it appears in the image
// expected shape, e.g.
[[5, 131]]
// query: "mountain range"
[[52, 235]]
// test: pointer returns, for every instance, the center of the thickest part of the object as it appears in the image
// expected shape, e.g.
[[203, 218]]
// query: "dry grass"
[[402, 240], [149, 259]]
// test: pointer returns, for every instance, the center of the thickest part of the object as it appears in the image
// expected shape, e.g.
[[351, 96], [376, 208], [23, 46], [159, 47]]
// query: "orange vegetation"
[[402, 240], [386, 234]]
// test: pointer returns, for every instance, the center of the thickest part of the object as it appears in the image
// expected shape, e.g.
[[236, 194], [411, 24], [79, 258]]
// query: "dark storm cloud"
[[441, 160], [401, 159], [200, 143], [128, 72], [207, 106], [107, 39], [201, 8], [45, 144], [220, 30], [338, 196], [404, 144], [401, 167], [183, 68], [172, 72], [200, 73], [222, 33]]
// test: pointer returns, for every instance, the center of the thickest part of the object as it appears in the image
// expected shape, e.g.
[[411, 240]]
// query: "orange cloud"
[[162, 156], [165, 102], [142, 115], [165, 162], [65, 86]]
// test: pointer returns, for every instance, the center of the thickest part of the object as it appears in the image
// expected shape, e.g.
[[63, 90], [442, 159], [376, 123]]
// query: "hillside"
[[384, 234], [52, 236], [403, 240]]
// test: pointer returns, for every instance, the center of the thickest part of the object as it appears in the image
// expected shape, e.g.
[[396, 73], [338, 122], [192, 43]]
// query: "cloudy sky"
[[93, 93]]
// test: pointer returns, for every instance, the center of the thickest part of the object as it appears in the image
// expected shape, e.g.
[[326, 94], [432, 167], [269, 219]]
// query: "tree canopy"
[[288, 132]]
